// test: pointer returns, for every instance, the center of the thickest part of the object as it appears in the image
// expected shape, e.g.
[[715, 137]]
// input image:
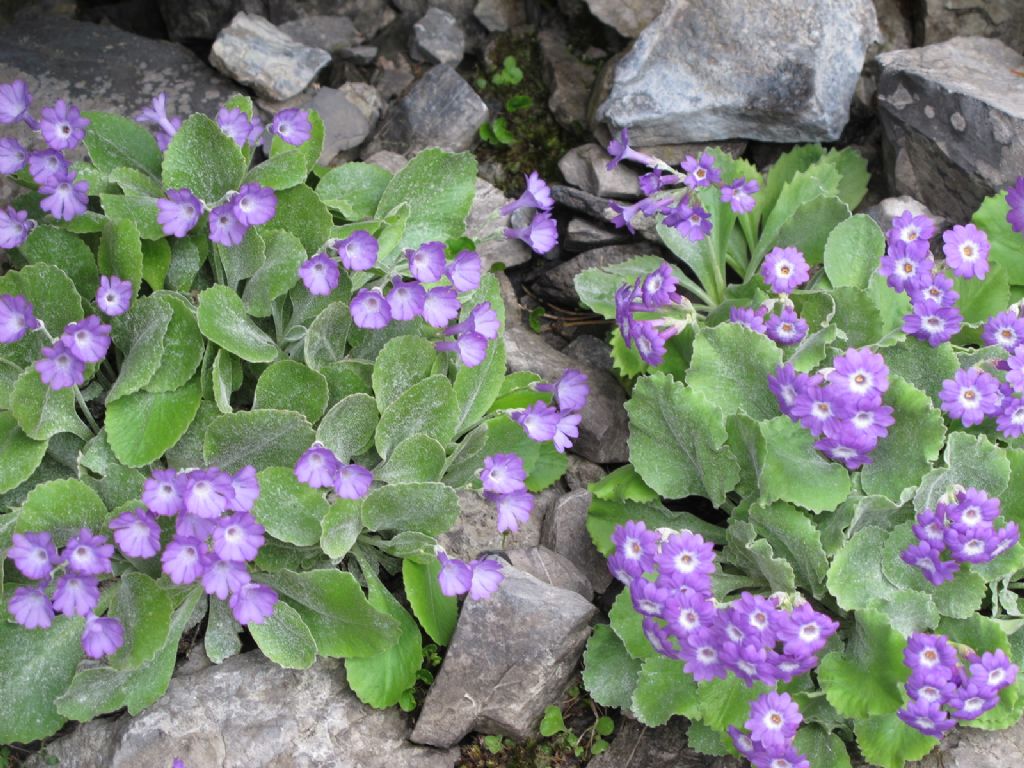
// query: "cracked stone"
[[437, 38]]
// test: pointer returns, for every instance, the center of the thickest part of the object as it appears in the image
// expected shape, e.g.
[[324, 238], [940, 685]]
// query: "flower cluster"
[[773, 723], [215, 535], [252, 205], [784, 270], [318, 467], [62, 127], [944, 689], [560, 422], [644, 313], [478, 578], [76, 591], [504, 481], [962, 525], [541, 233], [842, 405]]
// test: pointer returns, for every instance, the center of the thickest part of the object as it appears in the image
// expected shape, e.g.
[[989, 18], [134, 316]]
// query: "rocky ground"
[[930, 91]]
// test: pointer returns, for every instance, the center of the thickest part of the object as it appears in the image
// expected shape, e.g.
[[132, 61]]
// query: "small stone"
[[437, 38], [482, 222], [568, 78], [332, 33], [359, 54], [888, 209], [369, 16], [584, 235], [510, 657], [565, 532], [559, 283], [586, 167], [393, 76], [591, 351], [256, 53], [500, 15], [476, 531], [662, 747], [627, 17], [551, 568], [582, 473], [349, 113], [441, 110]]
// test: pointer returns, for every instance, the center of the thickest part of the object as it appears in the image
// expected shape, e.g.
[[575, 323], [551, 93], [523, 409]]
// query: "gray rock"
[[552, 568], [256, 53], [332, 33], [460, 9], [349, 113], [565, 532], [359, 54], [369, 16], [636, 745], [693, 74], [389, 161], [584, 235], [393, 76], [201, 19], [971, 748], [952, 116], [500, 15], [586, 167], [604, 428], [591, 351], [441, 110], [941, 20], [894, 26], [510, 657], [475, 531], [437, 38], [581, 473], [628, 17], [558, 284], [484, 220], [568, 78], [250, 712], [888, 209]]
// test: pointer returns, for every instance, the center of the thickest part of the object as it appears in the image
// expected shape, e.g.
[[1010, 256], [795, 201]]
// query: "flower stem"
[[85, 411]]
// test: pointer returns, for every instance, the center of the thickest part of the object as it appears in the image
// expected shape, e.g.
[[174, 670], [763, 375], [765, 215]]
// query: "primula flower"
[[860, 372], [88, 554], [690, 220], [455, 577], [935, 287], [224, 577], [76, 595], [503, 473], [1010, 420], [844, 442], [179, 212], [970, 396], [46, 165], [933, 323], [972, 700], [464, 271], [514, 509], [993, 669], [904, 263], [352, 481], [14, 103], [225, 228], [657, 179], [253, 603], [566, 430], [537, 195], [928, 718], [909, 228], [930, 653], [14, 227], [427, 263], [136, 533], [101, 636], [234, 123], [60, 369], [740, 195], [486, 578], [156, 114], [317, 467], [482, 320], [114, 295], [785, 269], [62, 125], [13, 156], [750, 318], [238, 538], [207, 492], [774, 719], [539, 420], [193, 526], [183, 559], [88, 339], [254, 204], [30, 607], [1015, 375], [440, 306], [16, 317], [320, 274], [620, 150], [358, 251], [33, 554], [406, 299], [660, 287], [571, 390], [1014, 197], [541, 234], [817, 406], [786, 328], [246, 488], [637, 544], [701, 655], [787, 385], [966, 249], [1005, 329], [162, 492], [700, 172], [871, 418], [64, 198], [292, 126], [370, 309], [804, 631]]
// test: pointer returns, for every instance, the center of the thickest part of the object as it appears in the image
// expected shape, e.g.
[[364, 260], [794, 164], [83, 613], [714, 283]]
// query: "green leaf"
[[134, 182], [49, 245], [341, 527], [853, 174], [288, 385], [222, 319], [436, 612], [627, 625], [610, 674], [143, 426], [240, 262], [284, 638], [922, 365], [972, 461], [290, 511], [418, 459], [596, 286], [332, 604], [276, 275], [42, 412], [139, 334], [187, 257], [1003, 241], [221, 641], [730, 368], [203, 159], [856, 316], [543, 464], [664, 690], [156, 262], [354, 189], [120, 252], [145, 613], [114, 142], [300, 212], [980, 299], [784, 169], [677, 441], [54, 298], [428, 407], [887, 741], [430, 508], [225, 372], [62, 507], [822, 748], [138, 211], [814, 182], [22, 455], [182, 344], [35, 668], [467, 457], [477, 388], [263, 438], [552, 723], [401, 363], [439, 187], [756, 557], [794, 471], [794, 536], [349, 427], [727, 702], [280, 171], [605, 515], [327, 336]]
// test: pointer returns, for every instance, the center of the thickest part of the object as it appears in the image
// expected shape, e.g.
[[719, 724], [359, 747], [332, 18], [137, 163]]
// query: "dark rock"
[[568, 78], [591, 351], [580, 201], [510, 657], [256, 53], [565, 532], [331, 33], [359, 54], [637, 746], [202, 19], [250, 712], [693, 75], [369, 16], [551, 568], [499, 15], [971, 748], [586, 167], [952, 120], [940, 20], [441, 110], [393, 76], [584, 235], [894, 26], [140, 17], [581, 473], [558, 284], [437, 38], [627, 17], [460, 9]]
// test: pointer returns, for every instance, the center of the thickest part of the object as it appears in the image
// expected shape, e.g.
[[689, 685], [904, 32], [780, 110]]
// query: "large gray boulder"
[[952, 116], [706, 70]]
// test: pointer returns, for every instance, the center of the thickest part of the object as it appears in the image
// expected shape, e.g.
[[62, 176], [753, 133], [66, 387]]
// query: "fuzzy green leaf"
[[435, 611], [430, 508], [354, 189], [202, 158], [288, 385], [664, 690], [610, 674], [290, 511], [428, 408], [853, 251], [348, 428], [401, 363], [143, 426], [284, 638], [793, 470], [887, 741], [730, 368], [223, 320], [418, 459], [42, 412], [263, 438], [47, 244], [22, 455]]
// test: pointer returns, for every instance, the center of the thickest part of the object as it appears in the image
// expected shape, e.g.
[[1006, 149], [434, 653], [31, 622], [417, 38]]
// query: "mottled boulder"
[[332, 33], [952, 116], [973, 748], [349, 113], [499, 15], [476, 531], [707, 70]]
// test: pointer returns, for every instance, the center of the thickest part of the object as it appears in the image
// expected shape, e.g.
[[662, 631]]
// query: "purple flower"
[[972, 701], [46, 165], [235, 124], [787, 385], [101, 636], [541, 234], [786, 328], [817, 406], [482, 320], [114, 295], [193, 527], [747, 660], [207, 492], [687, 555], [76, 595], [320, 274], [183, 560], [87, 554], [464, 271], [844, 442], [486, 578], [162, 492], [935, 287], [993, 669], [440, 306], [14, 102], [13, 156], [690, 611], [909, 228], [566, 430], [16, 317], [60, 369], [860, 372], [931, 654], [503, 473], [660, 288], [136, 533], [224, 577], [804, 631], [246, 489], [637, 544], [33, 554], [292, 126], [752, 319], [971, 545], [539, 420], [64, 198], [455, 577], [254, 205], [352, 481], [648, 598], [179, 212], [904, 263], [966, 249], [537, 195], [238, 538], [740, 195], [14, 227], [156, 113], [928, 718], [743, 743], [225, 228], [700, 651], [657, 180], [933, 323], [88, 339], [871, 418], [626, 213], [774, 719], [253, 603], [317, 467], [405, 299], [426, 263], [970, 396], [620, 150], [1010, 420], [785, 269], [370, 309], [1014, 197], [471, 348], [358, 251], [1005, 329], [62, 125], [691, 221], [1015, 375], [513, 509], [700, 172], [30, 606], [571, 390], [927, 559], [973, 507]]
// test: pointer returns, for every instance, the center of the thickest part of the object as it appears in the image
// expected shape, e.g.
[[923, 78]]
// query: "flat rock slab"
[[972, 748], [952, 116], [256, 53], [249, 712], [510, 657], [707, 70]]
